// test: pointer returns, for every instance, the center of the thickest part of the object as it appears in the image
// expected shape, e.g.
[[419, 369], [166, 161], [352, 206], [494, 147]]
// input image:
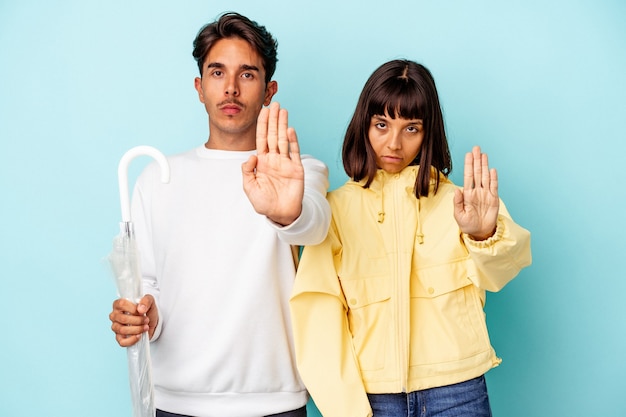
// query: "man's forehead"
[[234, 50]]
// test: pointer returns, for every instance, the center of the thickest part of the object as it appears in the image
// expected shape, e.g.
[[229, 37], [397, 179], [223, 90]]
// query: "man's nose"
[[232, 88]]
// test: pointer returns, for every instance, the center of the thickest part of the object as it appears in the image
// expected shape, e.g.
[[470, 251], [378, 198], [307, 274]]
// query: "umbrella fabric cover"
[[124, 261]]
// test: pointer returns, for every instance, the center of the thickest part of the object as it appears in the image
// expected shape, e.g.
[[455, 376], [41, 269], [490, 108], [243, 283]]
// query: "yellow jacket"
[[392, 301]]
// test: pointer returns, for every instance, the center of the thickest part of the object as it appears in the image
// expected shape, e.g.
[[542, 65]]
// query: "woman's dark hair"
[[234, 25], [405, 89]]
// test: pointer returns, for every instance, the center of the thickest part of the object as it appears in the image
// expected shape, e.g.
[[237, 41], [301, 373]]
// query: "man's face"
[[233, 91]]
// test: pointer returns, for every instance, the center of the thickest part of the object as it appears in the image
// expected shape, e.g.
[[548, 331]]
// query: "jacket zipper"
[[401, 286]]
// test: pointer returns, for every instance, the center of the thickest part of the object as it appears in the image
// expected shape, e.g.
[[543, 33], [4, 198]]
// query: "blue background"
[[538, 84]]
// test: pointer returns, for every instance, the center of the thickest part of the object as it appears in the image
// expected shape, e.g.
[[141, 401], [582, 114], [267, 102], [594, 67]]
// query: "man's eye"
[[247, 75]]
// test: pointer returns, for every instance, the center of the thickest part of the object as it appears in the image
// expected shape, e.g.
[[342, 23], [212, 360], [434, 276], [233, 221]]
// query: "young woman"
[[388, 310]]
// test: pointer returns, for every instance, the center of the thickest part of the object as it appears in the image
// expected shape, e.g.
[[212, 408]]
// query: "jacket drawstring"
[[381, 213], [418, 233]]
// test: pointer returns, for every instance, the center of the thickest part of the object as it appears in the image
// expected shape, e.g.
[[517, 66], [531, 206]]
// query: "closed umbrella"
[[124, 261]]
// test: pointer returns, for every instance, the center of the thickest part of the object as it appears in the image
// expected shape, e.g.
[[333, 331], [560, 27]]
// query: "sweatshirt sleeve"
[[324, 352], [500, 258], [312, 225]]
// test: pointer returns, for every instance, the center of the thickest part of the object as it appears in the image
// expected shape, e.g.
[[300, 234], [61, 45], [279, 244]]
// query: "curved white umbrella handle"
[[122, 173]]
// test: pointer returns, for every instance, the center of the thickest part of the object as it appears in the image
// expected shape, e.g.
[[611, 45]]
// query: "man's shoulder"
[[310, 162], [184, 155]]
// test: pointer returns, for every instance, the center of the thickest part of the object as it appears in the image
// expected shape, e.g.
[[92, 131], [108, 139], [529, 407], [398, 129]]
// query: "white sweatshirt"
[[222, 276]]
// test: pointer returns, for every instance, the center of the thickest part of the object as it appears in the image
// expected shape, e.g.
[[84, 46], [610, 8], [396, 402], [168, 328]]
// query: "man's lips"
[[230, 107]]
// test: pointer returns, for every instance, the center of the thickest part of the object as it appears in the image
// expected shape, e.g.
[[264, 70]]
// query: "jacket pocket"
[[368, 302], [448, 321], [437, 280]]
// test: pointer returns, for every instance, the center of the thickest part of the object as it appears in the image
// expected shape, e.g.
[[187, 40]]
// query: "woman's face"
[[396, 142]]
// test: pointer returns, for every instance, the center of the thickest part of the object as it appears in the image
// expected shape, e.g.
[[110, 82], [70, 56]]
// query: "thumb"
[[145, 304], [148, 304], [458, 200], [247, 168]]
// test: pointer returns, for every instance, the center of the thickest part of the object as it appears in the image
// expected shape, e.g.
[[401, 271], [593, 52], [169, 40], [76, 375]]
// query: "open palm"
[[476, 206], [273, 179]]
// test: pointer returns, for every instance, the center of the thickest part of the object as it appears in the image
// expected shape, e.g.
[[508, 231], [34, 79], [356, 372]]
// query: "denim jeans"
[[465, 399], [300, 412]]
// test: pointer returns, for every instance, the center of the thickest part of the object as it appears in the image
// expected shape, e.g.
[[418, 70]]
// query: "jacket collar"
[[408, 175]]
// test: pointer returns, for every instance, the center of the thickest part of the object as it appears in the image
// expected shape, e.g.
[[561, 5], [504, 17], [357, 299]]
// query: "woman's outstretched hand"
[[476, 205]]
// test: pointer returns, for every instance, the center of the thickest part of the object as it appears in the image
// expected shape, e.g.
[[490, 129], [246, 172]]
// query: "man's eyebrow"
[[244, 67], [249, 67]]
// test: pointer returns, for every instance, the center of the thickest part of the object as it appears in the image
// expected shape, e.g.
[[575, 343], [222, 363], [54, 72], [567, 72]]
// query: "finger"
[[261, 131], [294, 147], [123, 305], [272, 127], [126, 341], [468, 172], [130, 330], [484, 162], [493, 183], [476, 156], [283, 141], [126, 319]]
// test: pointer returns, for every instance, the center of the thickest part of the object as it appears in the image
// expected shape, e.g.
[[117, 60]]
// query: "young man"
[[217, 242]]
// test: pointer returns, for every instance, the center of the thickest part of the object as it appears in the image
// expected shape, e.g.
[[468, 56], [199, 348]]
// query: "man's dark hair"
[[234, 25]]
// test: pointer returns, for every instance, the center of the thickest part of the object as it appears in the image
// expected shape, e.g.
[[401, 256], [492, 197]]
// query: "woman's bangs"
[[399, 99]]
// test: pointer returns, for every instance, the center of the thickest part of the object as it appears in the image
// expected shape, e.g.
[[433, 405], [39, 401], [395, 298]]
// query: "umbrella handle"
[[122, 173]]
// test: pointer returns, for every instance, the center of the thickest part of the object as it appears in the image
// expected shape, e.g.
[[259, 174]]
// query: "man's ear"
[[197, 83], [270, 90]]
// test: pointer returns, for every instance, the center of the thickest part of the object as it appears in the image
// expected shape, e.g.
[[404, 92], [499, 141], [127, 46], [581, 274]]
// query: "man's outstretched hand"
[[273, 179]]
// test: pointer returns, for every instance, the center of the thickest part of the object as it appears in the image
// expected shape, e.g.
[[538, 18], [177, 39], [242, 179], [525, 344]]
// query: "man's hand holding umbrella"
[[131, 320]]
